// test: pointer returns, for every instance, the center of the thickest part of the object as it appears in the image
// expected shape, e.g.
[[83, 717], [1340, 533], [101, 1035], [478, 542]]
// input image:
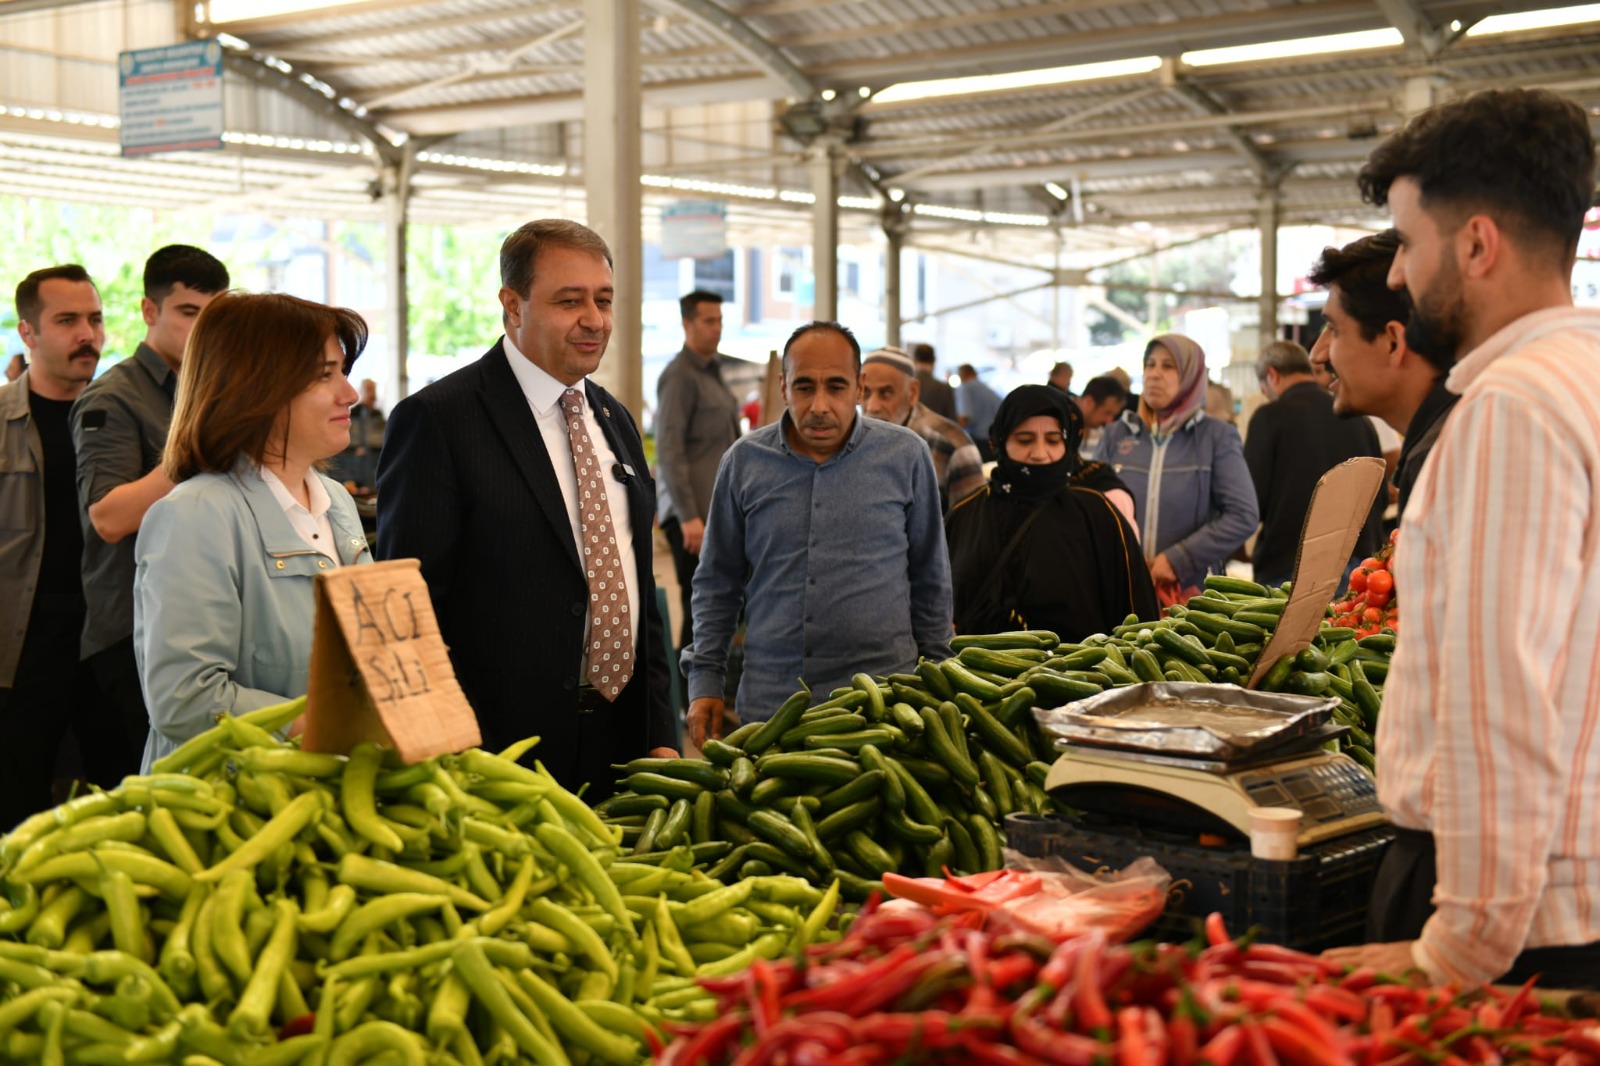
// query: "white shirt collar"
[[542, 390], [314, 489]]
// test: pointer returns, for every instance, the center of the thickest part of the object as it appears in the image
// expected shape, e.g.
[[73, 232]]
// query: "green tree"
[[452, 278], [1208, 267]]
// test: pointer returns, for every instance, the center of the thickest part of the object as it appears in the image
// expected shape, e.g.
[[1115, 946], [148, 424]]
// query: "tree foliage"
[[1210, 266]]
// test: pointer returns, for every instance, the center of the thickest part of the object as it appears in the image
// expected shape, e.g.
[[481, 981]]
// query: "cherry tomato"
[[1358, 580], [1394, 537], [1376, 598], [1372, 615], [1380, 582]]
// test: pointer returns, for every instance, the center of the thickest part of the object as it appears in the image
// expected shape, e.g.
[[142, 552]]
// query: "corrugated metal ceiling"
[[494, 88]]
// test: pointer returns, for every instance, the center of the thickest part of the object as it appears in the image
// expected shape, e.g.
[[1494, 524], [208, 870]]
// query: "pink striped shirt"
[[1490, 733]]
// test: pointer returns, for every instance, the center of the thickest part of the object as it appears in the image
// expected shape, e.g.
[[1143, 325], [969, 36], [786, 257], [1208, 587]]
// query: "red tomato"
[[1376, 598], [1372, 615], [1371, 563], [1342, 607], [1380, 582], [1358, 580], [1394, 537]]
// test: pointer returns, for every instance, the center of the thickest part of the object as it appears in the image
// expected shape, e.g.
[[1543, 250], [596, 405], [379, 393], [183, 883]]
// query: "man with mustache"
[[1367, 347], [521, 485], [890, 391], [43, 686], [825, 530], [119, 428], [1488, 762]]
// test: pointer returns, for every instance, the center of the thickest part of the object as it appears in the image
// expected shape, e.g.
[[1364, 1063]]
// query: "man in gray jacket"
[[697, 419], [43, 686]]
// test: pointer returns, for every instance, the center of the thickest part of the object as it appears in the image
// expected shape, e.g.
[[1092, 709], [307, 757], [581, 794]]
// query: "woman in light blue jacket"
[[1195, 500], [222, 592]]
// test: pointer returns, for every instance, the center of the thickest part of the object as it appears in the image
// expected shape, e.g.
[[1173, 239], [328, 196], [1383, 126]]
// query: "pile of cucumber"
[[915, 773]]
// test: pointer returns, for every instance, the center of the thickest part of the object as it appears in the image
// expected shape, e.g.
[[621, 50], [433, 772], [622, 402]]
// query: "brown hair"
[[521, 250], [30, 303], [250, 354]]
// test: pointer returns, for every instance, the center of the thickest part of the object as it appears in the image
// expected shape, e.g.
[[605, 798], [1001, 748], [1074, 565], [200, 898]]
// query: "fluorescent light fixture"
[[859, 203], [1302, 46], [1022, 79], [1536, 20], [237, 10], [1057, 191]]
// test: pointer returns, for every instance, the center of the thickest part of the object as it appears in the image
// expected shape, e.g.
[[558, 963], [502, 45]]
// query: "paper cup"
[[1273, 831]]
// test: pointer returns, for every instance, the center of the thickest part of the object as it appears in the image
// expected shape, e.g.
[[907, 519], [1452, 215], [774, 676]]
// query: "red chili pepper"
[[1256, 1045], [1089, 1002], [997, 1055], [1223, 1048], [1053, 1046], [297, 1026], [841, 994], [1337, 1002], [1297, 1044], [1359, 980], [1183, 1034], [709, 1043], [1217, 930], [1012, 969]]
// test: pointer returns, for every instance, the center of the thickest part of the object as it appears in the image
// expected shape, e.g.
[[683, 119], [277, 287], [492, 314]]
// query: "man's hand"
[[1161, 571], [1393, 959], [664, 753], [704, 720], [694, 534]]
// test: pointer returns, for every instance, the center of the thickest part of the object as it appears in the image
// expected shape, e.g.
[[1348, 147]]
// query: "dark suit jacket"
[[466, 485]]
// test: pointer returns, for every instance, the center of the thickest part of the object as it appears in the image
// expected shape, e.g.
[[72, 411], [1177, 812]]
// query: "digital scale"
[[1196, 758], [1333, 793]]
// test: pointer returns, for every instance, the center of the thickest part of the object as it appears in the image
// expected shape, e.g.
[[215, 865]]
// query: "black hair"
[[922, 352], [29, 304], [1103, 388], [1524, 156], [521, 249], [183, 264], [811, 327], [690, 303]]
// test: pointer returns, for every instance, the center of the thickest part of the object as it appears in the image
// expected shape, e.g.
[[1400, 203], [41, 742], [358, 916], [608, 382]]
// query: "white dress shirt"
[[1490, 732], [543, 393], [312, 524]]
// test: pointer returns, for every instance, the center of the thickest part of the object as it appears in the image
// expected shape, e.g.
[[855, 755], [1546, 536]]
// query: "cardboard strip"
[[380, 669], [1339, 508]]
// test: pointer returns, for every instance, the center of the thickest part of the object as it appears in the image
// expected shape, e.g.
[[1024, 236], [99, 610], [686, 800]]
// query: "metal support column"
[[611, 180], [1267, 218], [394, 181], [894, 229], [822, 160]]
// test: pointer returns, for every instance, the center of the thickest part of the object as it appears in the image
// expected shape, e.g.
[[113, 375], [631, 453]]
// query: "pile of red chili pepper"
[[906, 987]]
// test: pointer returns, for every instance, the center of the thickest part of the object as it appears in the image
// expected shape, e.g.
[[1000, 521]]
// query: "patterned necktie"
[[608, 647]]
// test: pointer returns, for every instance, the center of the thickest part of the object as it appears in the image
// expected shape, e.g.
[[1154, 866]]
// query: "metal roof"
[[490, 91]]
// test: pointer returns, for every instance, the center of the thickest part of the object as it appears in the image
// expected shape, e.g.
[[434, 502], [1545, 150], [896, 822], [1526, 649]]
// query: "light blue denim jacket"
[[222, 601], [1203, 505]]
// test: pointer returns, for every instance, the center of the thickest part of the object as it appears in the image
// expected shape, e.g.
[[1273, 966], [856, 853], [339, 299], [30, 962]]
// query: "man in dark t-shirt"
[[43, 686]]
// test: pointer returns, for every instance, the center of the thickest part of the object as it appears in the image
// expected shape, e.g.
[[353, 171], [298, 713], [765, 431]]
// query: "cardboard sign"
[[772, 405], [379, 669], [1339, 508]]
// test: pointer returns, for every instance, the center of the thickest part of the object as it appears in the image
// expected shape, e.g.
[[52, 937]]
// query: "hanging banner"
[[694, 229], [171, 98]]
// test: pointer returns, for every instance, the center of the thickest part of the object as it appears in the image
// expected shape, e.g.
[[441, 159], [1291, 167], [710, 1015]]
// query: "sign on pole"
[[694, 229], [171, 98]]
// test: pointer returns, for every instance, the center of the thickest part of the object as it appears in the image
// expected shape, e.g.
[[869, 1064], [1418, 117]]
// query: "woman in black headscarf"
[[1040, 547]]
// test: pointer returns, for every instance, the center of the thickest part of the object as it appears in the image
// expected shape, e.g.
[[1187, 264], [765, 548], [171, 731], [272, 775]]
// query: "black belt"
[[591, 700]]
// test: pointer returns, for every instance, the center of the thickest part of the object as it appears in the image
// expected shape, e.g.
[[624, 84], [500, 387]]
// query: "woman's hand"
[[1161, 571]]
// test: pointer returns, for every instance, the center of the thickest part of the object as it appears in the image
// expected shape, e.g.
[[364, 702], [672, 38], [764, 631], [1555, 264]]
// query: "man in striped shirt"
[[1489, 740]]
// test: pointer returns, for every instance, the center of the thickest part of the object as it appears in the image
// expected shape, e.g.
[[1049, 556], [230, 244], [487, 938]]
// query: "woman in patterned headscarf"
[[1040, 546], [1186, 471]]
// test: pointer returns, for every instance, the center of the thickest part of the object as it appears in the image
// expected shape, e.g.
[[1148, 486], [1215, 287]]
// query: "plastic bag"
[[1047, 897]]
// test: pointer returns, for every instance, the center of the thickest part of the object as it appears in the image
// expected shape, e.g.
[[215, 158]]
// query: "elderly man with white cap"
[[890, 392]]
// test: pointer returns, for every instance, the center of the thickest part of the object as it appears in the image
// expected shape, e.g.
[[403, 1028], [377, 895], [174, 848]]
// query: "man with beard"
[[890, 392], [825, 531], [43, 685], [1490, 771], [1376, 368]]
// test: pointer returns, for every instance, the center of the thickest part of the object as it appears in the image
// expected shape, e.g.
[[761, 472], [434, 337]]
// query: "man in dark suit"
[[502, 476]]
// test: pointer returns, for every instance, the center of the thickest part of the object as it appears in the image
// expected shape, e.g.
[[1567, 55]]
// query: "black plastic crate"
[[1318, 900]]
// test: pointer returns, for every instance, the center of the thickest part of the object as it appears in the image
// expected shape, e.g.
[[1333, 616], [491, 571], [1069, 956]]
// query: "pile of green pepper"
[[251, 904]]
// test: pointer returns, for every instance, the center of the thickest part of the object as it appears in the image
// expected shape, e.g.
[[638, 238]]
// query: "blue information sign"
[[171, 98]]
